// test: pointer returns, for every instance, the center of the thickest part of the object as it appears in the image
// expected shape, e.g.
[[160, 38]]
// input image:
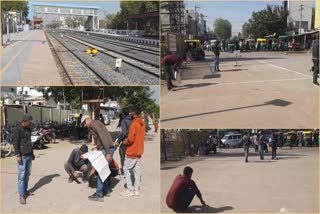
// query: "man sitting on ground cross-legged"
[[182, 191]]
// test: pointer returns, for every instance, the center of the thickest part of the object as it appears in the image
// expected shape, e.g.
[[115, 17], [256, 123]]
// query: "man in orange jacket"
[[134, 151]]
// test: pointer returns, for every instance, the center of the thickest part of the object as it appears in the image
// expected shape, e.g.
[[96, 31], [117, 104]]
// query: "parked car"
[[231, 140]]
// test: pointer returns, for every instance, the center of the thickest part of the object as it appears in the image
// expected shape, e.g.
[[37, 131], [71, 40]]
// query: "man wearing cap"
[[21, 139], [103, 142]]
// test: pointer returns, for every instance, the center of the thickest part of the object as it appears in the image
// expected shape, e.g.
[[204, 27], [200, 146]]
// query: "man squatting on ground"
[[76, 163], [167, 62], [104, 143], [134, 151], [182, 191], [21, 139]]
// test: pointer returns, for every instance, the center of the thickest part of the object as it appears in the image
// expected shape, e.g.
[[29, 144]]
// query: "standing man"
[[274, 142], [216, 51], [182, 192], [104, 143], [124, 125], [79, 126], [21, 139], [134, 151], [261, 145], [170, 64], [245, 141], [315, 60]]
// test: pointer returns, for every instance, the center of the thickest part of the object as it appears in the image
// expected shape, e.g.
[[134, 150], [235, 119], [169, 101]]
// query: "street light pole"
[[301, 9]]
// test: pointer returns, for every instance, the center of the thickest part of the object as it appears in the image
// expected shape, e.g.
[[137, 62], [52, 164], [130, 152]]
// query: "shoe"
[[127, 193], [174, 86], [136, 193], [76, 180], [29, 193], [70, 180], [107, 194], [170, 88], [316, 84], [22, 200], [96, 197]]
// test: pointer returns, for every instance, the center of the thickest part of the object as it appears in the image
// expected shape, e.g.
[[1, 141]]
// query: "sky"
[[236, 12], [156, 94], [108, 7]]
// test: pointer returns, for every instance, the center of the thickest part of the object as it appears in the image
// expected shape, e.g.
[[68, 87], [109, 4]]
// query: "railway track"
[[132, 72], [138, 54], [76, 72]]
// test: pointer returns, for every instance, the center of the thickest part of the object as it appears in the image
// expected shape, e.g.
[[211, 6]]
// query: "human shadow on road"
[[228, 59], [114, 182], [43, 181], [233, 70], [275, 102], [190, 86], [207, 209], [251, 154]]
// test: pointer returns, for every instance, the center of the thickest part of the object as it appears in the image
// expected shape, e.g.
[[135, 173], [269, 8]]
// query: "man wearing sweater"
[[182, 192], [134, 151]]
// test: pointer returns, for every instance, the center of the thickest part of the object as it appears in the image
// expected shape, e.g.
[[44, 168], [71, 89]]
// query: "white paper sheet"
[[99, 162]]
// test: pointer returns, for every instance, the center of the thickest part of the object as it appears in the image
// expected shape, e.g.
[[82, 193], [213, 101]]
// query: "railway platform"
[[27, 60]]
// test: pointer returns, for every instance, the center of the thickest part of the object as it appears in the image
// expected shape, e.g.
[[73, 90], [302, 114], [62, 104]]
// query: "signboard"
[[118, 63], [172, 39]]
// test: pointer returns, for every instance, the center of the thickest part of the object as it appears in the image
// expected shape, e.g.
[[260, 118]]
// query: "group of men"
[[131, 148]]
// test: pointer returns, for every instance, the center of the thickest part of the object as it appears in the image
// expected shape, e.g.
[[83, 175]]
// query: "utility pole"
[[300, 9], [195, 13]]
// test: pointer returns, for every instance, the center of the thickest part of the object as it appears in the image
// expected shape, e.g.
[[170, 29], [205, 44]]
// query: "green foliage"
[[54, 24], [120, 19], [222, 28], [272, 19], [139, 96], [75, 22], [15, 5]]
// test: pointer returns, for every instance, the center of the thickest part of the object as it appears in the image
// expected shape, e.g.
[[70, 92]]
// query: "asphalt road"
[[53, 193], [265, 89], [228, 184]]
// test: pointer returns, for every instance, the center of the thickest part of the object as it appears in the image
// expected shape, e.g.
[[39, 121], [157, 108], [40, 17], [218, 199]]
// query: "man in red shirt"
[[167, 62], [182, 191]]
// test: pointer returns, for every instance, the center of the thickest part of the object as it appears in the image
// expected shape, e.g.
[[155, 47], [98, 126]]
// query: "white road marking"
[[283, 68]]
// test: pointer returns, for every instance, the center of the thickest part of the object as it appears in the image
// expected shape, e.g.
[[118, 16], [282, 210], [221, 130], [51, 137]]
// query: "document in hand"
[[99, 162]]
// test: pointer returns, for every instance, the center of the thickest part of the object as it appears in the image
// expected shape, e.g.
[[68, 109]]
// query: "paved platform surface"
[[27, 60], [228, 184], [53, 193], [266, 89]]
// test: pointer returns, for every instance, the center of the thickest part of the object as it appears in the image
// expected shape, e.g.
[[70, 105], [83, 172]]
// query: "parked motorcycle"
[[7, 148], [37, 138]]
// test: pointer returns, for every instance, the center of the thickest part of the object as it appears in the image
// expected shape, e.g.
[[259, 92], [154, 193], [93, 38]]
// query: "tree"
[[272, 19], [139, 96], [15, 5], [54, 24], [120, 19], [222, 28]]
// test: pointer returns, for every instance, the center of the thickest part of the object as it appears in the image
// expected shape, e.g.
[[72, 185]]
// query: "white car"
[[231, 140]]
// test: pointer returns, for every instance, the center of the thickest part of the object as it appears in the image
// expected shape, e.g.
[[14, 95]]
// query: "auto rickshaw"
[[230, 45], [250, 44], [292, 135], [261, 44], [193, 47], [72, 118], [283, 43], [307, 137]]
